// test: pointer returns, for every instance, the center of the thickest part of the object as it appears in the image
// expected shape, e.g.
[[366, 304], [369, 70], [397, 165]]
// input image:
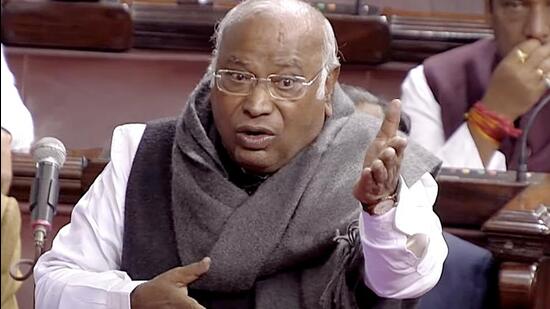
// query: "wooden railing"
[[509, 218]]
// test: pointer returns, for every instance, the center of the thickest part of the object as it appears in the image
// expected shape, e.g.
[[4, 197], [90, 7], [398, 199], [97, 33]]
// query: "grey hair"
[[249, 8]]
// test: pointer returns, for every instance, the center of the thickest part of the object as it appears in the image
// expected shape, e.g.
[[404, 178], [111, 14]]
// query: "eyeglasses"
[[286, 87]]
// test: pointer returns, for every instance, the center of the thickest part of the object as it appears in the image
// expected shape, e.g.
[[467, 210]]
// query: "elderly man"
[[244, 201], [496, 83]]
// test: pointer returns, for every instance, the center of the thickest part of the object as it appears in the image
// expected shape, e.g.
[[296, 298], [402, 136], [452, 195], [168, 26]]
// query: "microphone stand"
[[38, 248], [521, 174]]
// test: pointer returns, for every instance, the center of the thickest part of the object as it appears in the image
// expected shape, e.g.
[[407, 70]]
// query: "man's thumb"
[[189, 273]]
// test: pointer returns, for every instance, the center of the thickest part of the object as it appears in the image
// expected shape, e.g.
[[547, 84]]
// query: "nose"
[[538, 24], [259, 101]]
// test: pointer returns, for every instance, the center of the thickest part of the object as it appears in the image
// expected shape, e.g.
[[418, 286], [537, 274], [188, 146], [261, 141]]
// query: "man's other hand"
[[169, 289], [518, 82], [382, 163]]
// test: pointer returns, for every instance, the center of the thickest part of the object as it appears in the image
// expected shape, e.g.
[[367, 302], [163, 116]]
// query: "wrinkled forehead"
[[274, 37]]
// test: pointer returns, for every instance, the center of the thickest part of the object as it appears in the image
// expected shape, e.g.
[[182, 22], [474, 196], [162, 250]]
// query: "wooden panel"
[[80, 25], [433, 6], [525, 285], [79, 97]]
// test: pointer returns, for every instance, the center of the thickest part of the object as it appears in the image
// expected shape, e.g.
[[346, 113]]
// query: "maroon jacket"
[[458, 79]]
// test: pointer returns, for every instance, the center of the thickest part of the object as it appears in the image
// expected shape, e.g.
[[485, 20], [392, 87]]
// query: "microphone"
[[49, 155], [521, 174]]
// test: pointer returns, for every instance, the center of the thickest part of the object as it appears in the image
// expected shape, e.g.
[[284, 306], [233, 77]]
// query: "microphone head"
[[49, 149]]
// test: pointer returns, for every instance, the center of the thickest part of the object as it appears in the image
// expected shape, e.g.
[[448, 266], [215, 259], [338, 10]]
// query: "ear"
[[332, 78]]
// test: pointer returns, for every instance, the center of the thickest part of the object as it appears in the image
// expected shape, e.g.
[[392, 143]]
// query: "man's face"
[[262, 133], [515, 21]]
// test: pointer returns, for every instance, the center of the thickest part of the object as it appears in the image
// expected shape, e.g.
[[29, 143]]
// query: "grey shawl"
[[279, 241]]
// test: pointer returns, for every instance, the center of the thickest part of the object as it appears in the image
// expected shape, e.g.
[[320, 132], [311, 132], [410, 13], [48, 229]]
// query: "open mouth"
[[254, 138]]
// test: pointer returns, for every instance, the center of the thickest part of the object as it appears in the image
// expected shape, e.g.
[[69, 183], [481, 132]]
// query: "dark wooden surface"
[[78, 25], [542, 289], [367, 39], [362, 38], [525, 285], [519, 235], [521, 229], [415, 38]]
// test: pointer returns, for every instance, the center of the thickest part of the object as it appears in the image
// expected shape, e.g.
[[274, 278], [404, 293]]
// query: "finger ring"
[[547, 81], [540, 72], [522, 56]]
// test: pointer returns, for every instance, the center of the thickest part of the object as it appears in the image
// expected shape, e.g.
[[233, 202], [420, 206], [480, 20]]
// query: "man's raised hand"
[[518, 81], [382, 162]]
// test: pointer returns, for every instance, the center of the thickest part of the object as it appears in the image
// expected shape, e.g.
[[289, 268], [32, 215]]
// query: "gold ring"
[[522, 56]]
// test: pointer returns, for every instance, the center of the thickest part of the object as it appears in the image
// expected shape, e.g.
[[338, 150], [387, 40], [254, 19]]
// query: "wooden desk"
[[519, 235], [510, 219]]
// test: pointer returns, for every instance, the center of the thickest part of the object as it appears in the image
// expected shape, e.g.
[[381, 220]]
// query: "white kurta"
[[459, 150]]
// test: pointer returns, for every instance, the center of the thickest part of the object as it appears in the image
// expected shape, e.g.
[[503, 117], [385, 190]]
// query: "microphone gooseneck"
[[49, 154], [521, 174]]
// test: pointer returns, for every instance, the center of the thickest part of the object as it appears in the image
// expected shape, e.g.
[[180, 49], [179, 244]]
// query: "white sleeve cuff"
[[119, 295], [391, 269]]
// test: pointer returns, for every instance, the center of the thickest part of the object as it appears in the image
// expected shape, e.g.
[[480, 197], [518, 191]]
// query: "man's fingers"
[[399, 144], [366, 181], [545, 66], [186, 274], [522, 52], [379, 172], [372, 153], [390, 160], [537, 56], [391, 120], [543, 71]]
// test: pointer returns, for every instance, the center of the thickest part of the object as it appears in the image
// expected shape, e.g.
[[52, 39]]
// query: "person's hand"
[[518, 81], [6, 162], [169, 289], [382, 163]]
